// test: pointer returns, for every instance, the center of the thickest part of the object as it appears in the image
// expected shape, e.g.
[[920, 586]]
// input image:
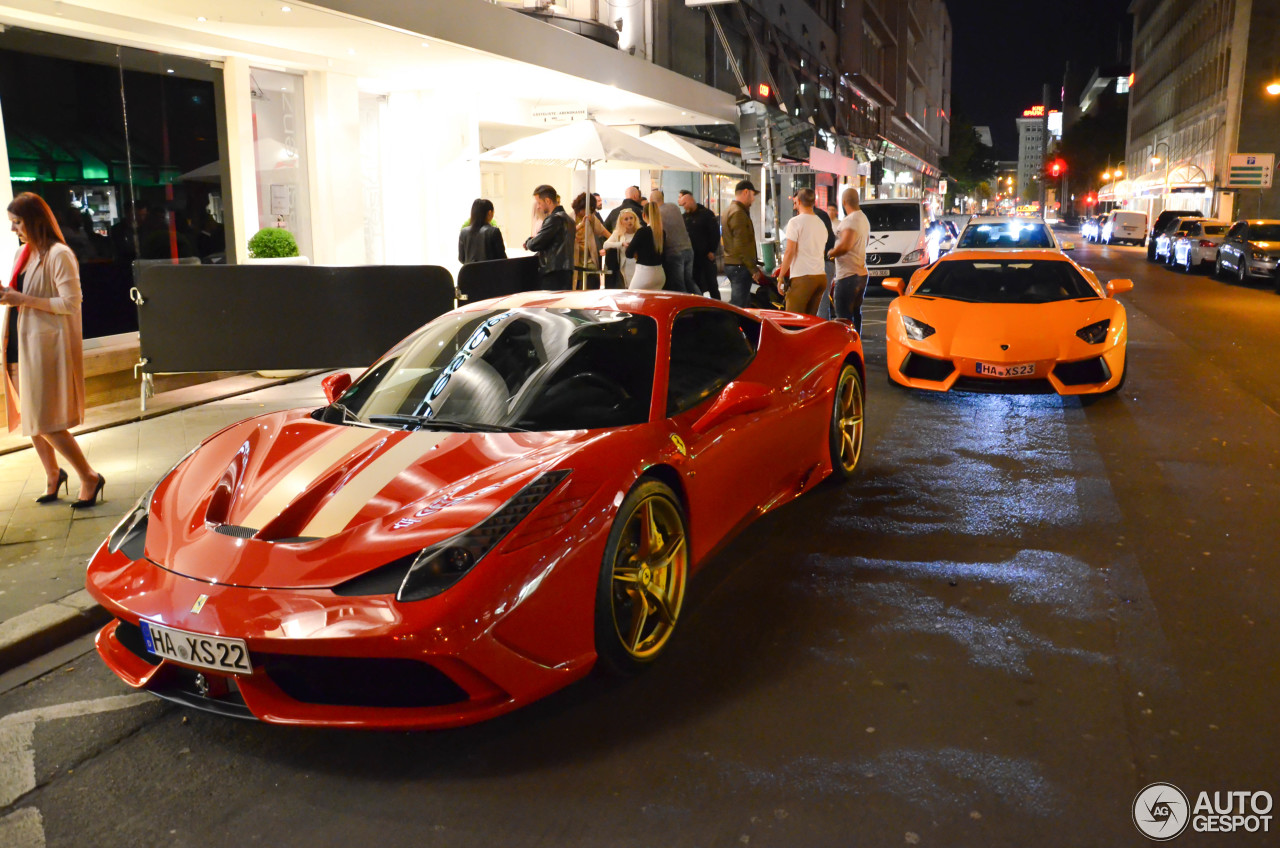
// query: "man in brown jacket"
[[739, 238]]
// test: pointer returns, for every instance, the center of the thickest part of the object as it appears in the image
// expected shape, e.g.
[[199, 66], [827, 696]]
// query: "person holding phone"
[[44, 349]]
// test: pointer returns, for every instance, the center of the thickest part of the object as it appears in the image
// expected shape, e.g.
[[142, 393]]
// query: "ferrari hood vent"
[[235, 531]]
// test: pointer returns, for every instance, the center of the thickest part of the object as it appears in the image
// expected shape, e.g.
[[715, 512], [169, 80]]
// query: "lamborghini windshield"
[[1000, 234], [1006, 281], [514, 369]]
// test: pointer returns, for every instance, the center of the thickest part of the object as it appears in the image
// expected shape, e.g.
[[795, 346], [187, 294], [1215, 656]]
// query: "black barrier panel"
[[498, 278], [260, 317]]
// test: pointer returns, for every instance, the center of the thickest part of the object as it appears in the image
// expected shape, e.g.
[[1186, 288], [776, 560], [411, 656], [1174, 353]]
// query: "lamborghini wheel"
[[845, 432], [642, 579]]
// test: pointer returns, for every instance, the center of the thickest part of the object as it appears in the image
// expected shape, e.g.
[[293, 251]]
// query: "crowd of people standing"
[[656, 245]]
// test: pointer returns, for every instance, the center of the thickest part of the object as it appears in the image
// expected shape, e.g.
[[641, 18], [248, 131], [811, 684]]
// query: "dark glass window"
[[1264, 232], [892, 216], [709, 347], [1012, 281]]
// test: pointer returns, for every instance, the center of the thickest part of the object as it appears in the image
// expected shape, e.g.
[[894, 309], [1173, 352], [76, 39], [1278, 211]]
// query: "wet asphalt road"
[[1019, 613]]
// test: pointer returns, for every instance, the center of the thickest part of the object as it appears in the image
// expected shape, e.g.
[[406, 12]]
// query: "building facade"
[[1200, 71], [1031, 146]]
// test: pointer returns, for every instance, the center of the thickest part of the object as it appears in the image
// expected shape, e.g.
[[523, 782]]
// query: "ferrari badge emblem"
[[199, 604], [679, 443]]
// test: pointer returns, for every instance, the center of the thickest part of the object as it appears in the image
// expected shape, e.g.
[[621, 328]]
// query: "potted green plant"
[[272, 243]]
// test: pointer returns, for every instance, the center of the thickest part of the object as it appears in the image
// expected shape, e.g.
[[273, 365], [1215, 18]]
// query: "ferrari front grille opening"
[[130, 636], [917, 367], [360, 682], [1083, 372]]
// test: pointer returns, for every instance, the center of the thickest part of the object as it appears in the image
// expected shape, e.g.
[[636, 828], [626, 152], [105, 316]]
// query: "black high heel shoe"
[[61, 484], [93, 499]]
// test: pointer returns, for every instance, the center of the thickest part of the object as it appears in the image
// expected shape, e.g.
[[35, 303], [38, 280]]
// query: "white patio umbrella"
[[589, 144], [701, 160]]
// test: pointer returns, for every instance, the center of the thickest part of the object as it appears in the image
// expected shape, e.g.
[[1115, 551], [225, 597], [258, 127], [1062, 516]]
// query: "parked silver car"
[[1199, 245]]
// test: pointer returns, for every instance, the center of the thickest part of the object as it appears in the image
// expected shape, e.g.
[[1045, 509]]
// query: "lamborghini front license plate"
[[213, 652], [985, 370]]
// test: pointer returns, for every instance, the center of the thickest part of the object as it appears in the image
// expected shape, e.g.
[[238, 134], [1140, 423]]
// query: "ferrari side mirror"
[[335, 384], [1116, 287], [893, 284], [737, 398]]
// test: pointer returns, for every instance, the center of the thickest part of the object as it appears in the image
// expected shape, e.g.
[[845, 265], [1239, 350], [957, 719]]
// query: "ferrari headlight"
[[914, 256], [1095, 333], [130, 535], [916, 329], [440, 566]]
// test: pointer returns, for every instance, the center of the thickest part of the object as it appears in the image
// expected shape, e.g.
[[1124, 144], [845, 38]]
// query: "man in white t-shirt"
[[850, 254], [802, 276]]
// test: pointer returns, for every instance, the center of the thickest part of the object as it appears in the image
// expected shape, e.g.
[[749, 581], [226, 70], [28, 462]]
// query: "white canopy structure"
[[700, 160]]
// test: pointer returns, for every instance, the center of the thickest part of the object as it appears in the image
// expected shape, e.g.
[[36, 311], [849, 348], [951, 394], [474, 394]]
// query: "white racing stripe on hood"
[[346, 502], [344, 441]]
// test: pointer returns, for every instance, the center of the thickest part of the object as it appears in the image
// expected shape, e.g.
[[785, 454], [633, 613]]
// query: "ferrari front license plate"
[[1006, 370], [212, 652]]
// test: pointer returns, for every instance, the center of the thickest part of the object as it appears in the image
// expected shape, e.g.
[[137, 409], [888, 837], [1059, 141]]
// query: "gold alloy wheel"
[[649, 577], [848, 415]]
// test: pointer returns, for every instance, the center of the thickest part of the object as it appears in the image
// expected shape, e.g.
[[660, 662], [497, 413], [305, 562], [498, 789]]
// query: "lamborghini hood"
[[284, 501]]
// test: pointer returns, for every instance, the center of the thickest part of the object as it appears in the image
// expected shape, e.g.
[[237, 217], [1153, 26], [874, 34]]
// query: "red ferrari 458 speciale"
[[515, 493]]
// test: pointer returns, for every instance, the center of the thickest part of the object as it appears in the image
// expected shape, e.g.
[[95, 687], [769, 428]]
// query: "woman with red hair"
[[43, 348]]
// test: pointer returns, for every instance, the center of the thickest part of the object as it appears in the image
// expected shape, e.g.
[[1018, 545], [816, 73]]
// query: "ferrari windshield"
[[522, 369], [1006, 234], [1006, 281]]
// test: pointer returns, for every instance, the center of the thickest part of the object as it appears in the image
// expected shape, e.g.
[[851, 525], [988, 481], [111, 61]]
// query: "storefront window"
[[123, 146], [280, 154]]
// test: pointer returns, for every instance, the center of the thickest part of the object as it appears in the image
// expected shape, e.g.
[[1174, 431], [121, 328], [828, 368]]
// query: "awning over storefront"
[[1182, 176]]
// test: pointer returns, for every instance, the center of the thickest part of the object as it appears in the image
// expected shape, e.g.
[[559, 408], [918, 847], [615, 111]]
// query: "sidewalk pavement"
[[44, 548]]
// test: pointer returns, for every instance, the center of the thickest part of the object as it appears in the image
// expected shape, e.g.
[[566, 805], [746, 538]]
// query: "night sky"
[[1005, 50]]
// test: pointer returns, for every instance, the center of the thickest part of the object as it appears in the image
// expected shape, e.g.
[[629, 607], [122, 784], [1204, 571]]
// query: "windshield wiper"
[[422, 422]]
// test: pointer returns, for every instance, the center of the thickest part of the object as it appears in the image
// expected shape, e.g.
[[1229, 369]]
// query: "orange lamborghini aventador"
[[1014, 321]]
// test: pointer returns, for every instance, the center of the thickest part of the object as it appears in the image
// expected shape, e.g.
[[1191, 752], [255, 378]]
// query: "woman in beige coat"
[[47, 380]]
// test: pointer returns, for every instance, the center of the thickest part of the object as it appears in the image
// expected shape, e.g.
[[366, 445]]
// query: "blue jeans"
[[679, 270], [846, 299], [739, 284]]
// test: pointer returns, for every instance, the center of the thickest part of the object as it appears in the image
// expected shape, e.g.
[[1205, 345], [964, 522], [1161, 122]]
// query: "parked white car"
[[1199, 245], [1124, 225]]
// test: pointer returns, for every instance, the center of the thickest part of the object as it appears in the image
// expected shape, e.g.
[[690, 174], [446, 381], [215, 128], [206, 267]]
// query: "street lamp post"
[[1155, 160]]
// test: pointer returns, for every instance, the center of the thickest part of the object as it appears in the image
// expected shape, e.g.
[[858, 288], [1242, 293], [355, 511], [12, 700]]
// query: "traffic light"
[[1055, 168]]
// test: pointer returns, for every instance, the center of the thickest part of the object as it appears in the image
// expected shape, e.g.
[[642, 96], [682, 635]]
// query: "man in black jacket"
[[553, 242], [704, 232]]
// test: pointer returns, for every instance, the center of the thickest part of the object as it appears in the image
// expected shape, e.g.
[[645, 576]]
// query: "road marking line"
[[75, 708]]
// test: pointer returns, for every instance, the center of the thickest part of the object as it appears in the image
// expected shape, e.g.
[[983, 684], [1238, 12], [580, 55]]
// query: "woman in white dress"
[[646, 249], [628, 224]]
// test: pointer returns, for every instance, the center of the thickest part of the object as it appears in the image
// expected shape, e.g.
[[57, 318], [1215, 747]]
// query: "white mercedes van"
[[898, 244], [1125, 226]]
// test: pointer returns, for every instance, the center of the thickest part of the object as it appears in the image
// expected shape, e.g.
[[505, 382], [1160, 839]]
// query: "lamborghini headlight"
[[916, 329], [440, 566], [1095, 333]]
